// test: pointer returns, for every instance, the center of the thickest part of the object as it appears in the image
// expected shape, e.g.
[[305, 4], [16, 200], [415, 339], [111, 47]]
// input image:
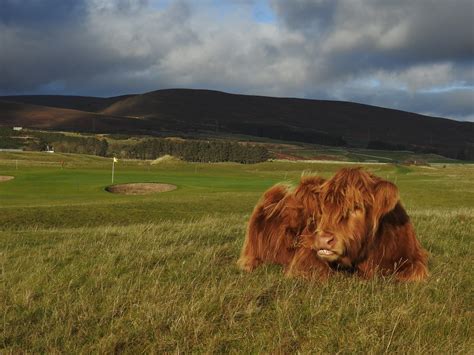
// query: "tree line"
[[9, 138], [197, 151], [153, 148], [69, 144]]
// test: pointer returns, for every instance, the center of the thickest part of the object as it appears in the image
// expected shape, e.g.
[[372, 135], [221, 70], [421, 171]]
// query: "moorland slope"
[[291, 119]]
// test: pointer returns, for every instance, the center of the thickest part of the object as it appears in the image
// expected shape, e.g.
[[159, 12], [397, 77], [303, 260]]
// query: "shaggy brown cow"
[[364, 226], [354, 220], [277, 222]]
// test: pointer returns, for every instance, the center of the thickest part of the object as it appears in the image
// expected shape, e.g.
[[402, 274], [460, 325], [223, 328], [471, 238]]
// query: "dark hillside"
[[81, 103], [44, 117], [315, 121]]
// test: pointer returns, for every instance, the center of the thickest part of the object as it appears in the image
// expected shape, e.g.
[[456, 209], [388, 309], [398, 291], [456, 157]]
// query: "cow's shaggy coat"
[[277, 222], [354, 221]]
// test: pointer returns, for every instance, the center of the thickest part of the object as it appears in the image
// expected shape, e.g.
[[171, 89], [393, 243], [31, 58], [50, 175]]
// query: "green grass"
[[83, 270], [347, 154], [296, 149]]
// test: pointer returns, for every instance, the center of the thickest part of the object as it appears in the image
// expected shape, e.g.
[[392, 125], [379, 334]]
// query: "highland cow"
[[353, 221], [277, 222], [364, 226]]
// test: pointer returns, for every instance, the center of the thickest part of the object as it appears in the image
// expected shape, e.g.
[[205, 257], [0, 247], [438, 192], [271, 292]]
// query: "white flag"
[[115, 160]]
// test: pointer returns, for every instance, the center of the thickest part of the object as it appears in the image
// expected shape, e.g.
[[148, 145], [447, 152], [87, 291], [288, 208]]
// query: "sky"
[[412, 55]]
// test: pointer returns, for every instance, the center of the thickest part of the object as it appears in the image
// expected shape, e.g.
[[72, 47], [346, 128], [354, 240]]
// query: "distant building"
[[17, 128]]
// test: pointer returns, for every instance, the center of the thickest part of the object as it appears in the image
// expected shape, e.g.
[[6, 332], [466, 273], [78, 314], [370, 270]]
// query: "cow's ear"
[[386, 197]]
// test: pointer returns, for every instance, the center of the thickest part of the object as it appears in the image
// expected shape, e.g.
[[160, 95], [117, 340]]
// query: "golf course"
[[83, 269]]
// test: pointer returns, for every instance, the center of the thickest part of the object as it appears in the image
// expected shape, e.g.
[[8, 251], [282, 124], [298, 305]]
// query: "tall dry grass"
[[174, 287]]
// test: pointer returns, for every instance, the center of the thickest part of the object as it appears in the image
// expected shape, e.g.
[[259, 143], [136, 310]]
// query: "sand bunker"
[[6, 178], [140, 188]]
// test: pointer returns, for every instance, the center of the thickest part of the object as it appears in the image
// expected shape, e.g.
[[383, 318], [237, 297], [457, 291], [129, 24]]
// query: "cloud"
[[412, 55], [34, 13], [402, 31], [311, 16], [456, 103]]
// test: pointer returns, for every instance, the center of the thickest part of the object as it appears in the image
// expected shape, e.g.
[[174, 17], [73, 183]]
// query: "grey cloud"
[[34, 13], [106, 43], [455, 103], [439, 30], [117, 6], [412, 49], [394, 54], [313, 16], [388, 31]]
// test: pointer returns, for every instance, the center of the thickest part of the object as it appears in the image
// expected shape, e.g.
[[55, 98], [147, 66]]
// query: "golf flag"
[[113, 168]]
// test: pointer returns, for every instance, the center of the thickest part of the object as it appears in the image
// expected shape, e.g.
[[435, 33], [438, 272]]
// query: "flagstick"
[[113, 170]]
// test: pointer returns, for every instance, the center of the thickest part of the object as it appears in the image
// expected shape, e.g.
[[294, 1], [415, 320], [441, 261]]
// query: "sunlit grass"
[[174, 285], [158, 274]]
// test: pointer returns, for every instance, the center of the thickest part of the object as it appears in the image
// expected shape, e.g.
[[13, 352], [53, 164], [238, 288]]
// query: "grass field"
[[277, 148], [311, 151], [83, 270]]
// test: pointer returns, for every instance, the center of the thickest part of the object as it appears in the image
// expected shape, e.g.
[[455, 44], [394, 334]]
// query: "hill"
[[324, 122], [81, 103], [53, 118]]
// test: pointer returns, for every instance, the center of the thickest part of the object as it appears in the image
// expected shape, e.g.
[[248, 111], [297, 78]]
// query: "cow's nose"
[[327, 240]]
